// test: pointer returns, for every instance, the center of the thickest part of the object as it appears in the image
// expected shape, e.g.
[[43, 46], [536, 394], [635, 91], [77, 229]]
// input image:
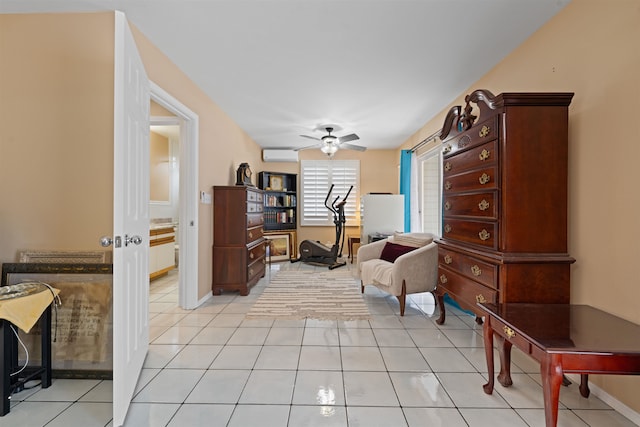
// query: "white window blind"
[[317, 177]]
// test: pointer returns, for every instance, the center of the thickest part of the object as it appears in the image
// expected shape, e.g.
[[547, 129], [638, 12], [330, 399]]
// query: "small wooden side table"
[[562, 338], [9, 361], [23, 305], [350, 241]]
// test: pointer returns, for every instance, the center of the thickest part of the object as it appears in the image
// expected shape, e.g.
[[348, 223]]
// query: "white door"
[[130, 219]]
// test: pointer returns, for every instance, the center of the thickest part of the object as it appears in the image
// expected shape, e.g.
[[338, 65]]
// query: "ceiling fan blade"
[[311, 137], [353, 147], [347, 138], [308, 147]]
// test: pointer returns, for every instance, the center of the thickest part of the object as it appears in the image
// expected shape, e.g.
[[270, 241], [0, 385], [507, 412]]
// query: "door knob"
[[136, 240], [106, 241]]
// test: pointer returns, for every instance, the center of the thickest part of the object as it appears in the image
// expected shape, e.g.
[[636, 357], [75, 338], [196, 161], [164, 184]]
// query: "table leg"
[[584, 385], [45, 327], [487, 333], [504, 377], [551, 372], [440, 303], [5, 366]]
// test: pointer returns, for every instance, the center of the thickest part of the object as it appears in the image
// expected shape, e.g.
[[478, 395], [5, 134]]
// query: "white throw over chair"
[[405, 263]]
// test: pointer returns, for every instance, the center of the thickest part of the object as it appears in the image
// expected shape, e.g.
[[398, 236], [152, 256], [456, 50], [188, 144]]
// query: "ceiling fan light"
[[330, 139], [328, 149]]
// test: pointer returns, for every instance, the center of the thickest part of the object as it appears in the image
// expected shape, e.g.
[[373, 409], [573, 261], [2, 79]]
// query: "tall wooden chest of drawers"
[[504, 231], [238, 242]]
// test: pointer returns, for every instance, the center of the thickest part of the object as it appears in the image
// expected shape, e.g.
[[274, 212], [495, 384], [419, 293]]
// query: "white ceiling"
[[282, 68]]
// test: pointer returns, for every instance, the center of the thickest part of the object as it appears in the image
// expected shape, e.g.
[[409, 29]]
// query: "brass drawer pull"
[[480, 298], [251, 255], [448, 259], [447, 206], [484, 131], [509, 332], [250, 235], [483, 205], [484, 178], [250, 272], [447, 166], [476, 271], [446, 149], [447, 228], [443, 279], [484, 154], [447, 185], [484, 235]]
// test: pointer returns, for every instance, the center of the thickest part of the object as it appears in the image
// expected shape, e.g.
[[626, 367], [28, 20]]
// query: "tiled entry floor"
[[211, 367]]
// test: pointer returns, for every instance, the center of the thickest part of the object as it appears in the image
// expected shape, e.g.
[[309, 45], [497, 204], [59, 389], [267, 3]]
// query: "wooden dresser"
[[162, 252], [238, 242], [504, 231]]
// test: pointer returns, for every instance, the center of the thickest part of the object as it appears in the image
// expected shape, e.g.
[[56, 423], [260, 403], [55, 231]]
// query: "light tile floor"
[[212, 367]]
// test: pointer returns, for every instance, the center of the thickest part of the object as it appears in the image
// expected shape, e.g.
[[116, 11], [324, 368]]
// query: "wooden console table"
[[563, 338], [350, 242], [23, 311]]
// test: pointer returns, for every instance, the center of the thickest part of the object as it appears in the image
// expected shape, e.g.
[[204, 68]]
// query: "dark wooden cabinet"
[[238, 242], [280, 200], [504, 231]]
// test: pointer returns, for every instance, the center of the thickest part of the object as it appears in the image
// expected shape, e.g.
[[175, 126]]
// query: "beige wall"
[[159, 183], [591, 48], [56, 132], [56, 127]]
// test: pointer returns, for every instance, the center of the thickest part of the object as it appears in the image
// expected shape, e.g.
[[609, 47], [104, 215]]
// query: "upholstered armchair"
[[405, 263]]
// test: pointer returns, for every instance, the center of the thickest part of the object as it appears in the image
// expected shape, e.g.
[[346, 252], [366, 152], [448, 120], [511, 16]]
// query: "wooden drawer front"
[[471, 159], [256, 252], [477, 232], [482, 205], [482, 179], [254, 207], [254, 220], [479, 134], [510, 335], [254, 234], [464, 288], [254, 196], [255, 269], [469, 266]]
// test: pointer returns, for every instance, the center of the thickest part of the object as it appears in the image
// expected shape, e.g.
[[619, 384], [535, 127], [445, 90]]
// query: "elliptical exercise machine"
[[314, 252]]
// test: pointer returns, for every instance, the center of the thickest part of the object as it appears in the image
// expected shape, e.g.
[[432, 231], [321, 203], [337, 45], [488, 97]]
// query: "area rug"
[[295, 294]]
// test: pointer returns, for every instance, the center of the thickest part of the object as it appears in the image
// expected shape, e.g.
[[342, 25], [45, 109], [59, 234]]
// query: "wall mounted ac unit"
[[275, 155]]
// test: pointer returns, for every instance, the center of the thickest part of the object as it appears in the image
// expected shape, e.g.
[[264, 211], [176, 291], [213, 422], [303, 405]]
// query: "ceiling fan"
[[329, 144]]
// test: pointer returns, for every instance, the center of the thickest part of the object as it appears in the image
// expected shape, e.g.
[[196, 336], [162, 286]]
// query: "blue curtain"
[[405, 186]]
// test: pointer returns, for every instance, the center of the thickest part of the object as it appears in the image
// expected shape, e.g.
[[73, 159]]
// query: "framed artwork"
[[66, 257], [275, 183], [278, 247], [82, 326]]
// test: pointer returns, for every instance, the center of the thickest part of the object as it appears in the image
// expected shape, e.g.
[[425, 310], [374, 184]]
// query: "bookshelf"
[[280, 200]]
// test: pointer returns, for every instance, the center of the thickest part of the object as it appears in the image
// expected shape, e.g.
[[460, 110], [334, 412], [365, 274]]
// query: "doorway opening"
[[187, 229]]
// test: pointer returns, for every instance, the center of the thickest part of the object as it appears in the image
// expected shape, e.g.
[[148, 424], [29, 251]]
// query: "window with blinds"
[[316, 179]]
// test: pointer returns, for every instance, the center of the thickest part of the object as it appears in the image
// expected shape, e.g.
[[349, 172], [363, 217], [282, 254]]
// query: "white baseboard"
[[609, 400], [204, 299]]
